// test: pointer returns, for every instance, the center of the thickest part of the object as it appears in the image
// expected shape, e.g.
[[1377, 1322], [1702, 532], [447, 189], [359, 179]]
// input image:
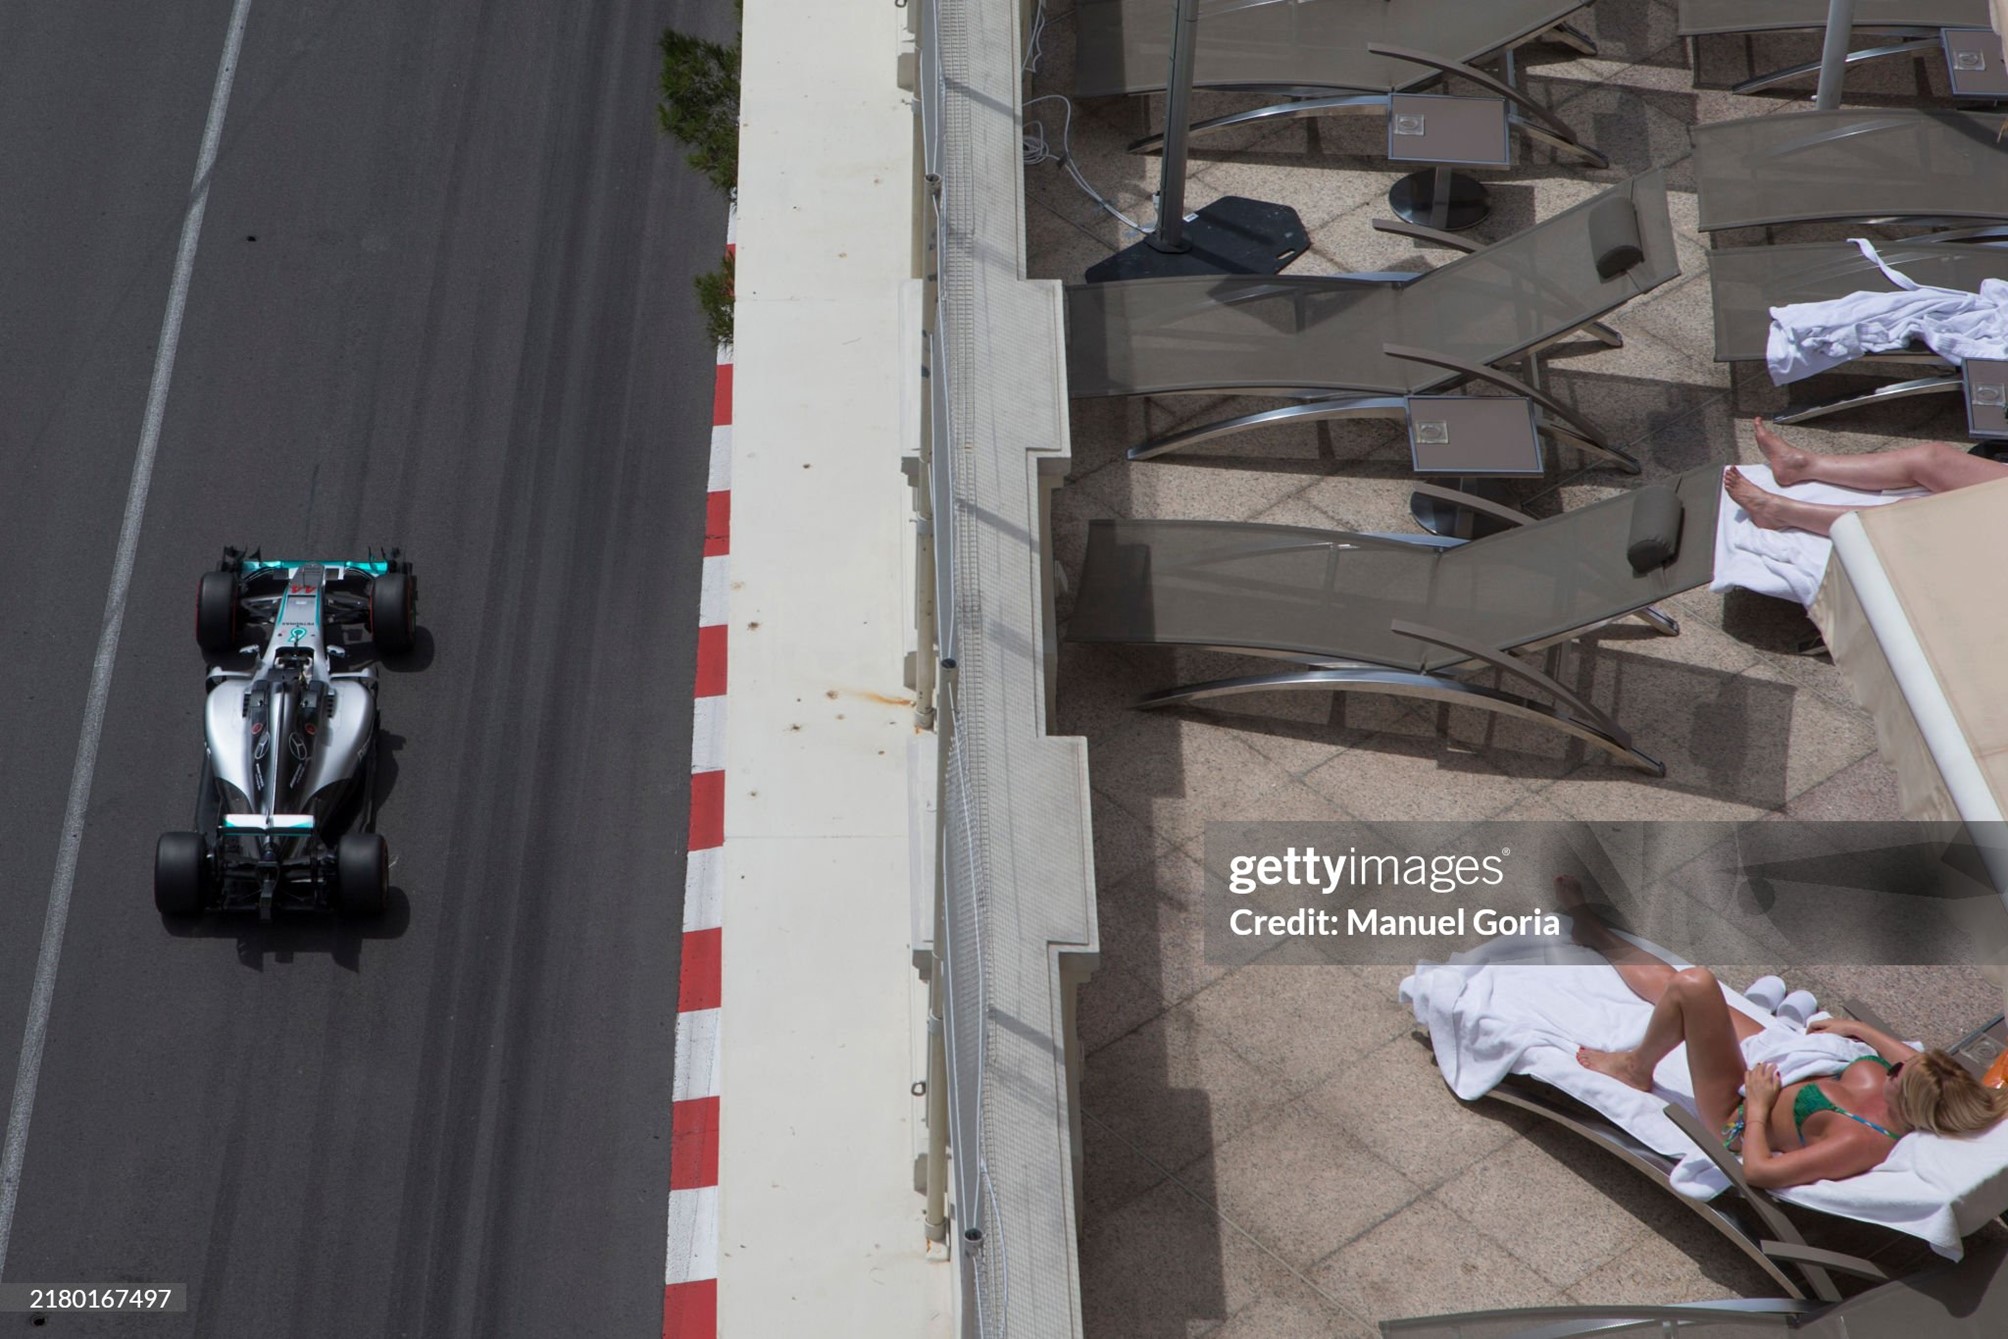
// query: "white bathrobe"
[[1810, 337]]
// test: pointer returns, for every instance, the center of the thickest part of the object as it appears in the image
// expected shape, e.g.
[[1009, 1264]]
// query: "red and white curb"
[[690, 1292]]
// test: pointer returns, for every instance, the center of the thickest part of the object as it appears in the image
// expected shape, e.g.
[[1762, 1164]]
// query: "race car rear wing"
[[268, 822]]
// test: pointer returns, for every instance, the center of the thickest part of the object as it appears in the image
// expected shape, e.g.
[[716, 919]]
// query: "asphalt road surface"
[[442, 300]]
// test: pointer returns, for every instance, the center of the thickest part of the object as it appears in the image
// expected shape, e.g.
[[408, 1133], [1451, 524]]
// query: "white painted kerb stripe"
[[693, 1235], [707, 735], [713, 594], [35, 1032], [703, 888], [696, 1055], [719, 477]]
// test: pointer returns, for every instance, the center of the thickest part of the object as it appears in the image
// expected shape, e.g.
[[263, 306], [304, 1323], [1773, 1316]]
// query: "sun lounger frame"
[[1324, 403], [1441, 675], [1945, 378], [1915, 24], [1820, 167]]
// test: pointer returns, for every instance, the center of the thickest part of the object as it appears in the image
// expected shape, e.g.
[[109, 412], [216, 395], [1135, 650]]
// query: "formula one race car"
[[287, 813]]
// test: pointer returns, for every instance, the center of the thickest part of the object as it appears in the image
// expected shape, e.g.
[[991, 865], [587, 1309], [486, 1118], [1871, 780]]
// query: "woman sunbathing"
[[1936, 467], [1822, 1129]]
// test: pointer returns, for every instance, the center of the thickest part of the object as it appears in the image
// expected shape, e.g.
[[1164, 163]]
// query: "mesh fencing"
[[1012, 805]]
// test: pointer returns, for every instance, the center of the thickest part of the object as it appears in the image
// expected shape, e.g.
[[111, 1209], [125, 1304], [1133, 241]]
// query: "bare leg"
[[1937, 467], [1646, 975], [1769, 511], [1687, 1006]]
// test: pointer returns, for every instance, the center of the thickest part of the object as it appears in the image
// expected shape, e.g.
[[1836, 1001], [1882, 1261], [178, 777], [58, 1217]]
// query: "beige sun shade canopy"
[[1915, 610]]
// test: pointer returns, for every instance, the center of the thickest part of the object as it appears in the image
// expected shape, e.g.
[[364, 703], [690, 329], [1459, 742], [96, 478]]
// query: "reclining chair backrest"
[[1747, 281], [1124, 46], [1713, 17], [1293, 333], [1902, 162], [1321, 595]]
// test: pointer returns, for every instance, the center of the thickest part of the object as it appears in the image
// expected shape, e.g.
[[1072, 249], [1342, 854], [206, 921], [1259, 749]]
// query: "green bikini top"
[[1810, 1101]]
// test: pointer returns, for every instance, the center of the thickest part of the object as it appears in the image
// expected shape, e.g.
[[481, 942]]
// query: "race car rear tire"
[[216, 613], [394, 612], [362, 874], [180, 874]]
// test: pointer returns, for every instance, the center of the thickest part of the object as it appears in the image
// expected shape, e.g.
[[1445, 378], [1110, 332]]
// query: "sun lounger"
[[1900, 163], [1354, 345], [1915, 26], [1501, 1040], [1746, 282], [1396, 615], [1967, 1300], [1316, 53]]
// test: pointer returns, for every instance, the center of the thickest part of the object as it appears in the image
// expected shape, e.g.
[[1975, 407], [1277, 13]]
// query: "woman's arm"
[[1886, 1046], [1840, 1153], [1844, 1153]]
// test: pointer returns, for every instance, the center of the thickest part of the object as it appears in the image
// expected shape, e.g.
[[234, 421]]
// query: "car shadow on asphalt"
[[287, 937]]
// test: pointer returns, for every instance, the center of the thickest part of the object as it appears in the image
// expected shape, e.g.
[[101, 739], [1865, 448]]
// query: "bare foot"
[[1762, 506], [1620, 1065], [1788, 463]]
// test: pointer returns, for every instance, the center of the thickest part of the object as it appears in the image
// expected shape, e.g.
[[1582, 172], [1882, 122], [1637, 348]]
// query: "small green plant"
[[700, 104], [714, 295]]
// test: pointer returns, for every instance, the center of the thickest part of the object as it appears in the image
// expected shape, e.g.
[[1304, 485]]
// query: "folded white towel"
[[1491, 1013], [1788, 564]]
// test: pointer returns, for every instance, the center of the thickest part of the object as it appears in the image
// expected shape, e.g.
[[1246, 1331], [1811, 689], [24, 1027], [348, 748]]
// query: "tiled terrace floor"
[[1270, 1153]]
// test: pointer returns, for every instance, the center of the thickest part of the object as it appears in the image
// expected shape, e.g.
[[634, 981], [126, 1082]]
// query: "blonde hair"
[[1936, 1094]]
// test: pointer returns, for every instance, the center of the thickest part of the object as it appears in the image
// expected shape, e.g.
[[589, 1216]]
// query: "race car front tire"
[[394, 612], [180, 874], [216, 613], [362, 874]]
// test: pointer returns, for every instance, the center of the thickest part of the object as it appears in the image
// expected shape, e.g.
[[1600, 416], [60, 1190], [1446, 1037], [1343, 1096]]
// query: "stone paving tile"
[[1113, 1003], [1864, 791], [1294, 1310], [1434, 1137], [1397, 777], [1152, 927], [1427, 1261], [1174, 1090], [1113, 1173], [1300, 1023], [1667, 1277], [1555, 1204], [1299, 1184], [1165, 1266], [1124, 844]]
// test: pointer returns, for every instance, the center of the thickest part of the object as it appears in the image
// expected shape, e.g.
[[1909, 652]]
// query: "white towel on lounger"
[[1493, 1014], [1788, 564], [1810, 337]]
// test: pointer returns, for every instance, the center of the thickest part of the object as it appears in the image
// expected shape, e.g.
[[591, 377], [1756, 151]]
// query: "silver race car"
[[287, 813]]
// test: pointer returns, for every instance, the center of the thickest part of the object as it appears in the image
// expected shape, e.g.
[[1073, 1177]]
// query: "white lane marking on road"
[[35, 1032]]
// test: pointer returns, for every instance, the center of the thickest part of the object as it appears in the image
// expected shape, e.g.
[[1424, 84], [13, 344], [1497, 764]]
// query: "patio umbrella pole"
[[1834, 54], [1169, 236], [1233, 235]]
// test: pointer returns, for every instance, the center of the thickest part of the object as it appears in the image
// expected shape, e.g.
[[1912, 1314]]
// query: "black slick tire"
[[216, 614], [180, 874], [362, 874], [394, 612]]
